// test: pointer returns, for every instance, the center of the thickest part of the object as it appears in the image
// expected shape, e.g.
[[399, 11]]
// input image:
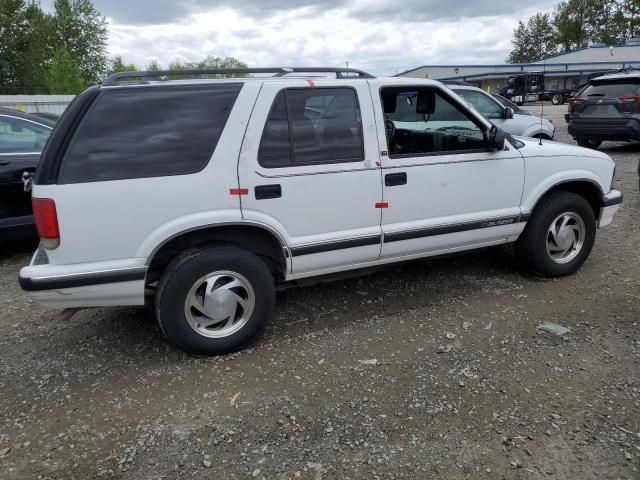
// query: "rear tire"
[[557, 99], [214, 301], [559, 235], [587, 143]]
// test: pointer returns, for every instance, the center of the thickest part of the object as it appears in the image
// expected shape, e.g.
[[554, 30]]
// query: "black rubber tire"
[[180, 276], [557, 99], [586, 143], [531, 246]]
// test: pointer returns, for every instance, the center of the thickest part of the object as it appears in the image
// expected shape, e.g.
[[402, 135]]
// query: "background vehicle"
[[504, 117], [607, 109], [530, 87], [204, 194], [22, 138], [505, 102]]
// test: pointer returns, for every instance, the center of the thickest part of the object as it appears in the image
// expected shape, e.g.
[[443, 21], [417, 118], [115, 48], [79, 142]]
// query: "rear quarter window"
[[148, 132]]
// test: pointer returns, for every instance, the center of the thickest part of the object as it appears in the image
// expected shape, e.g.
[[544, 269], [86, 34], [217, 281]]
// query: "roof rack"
[[115, 78]]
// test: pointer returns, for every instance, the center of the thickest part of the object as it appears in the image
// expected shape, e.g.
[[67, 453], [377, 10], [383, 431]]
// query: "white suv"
[[202, 195]]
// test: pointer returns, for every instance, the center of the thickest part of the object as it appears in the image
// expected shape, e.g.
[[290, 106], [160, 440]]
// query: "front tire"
[[559, 235], [587, 143], [214, 301]]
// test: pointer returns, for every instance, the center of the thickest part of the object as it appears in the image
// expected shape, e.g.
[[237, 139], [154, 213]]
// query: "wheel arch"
[[543, 134], [259, 239], [585, 187]]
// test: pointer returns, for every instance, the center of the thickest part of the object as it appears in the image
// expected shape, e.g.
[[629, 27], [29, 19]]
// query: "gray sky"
[[381, 36]]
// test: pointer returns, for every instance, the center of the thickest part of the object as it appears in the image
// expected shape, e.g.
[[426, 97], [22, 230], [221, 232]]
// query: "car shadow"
[[130, 335], [12, 248], [621, 147]]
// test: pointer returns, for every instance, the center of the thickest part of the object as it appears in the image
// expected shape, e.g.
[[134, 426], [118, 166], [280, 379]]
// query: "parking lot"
[[430, 369]]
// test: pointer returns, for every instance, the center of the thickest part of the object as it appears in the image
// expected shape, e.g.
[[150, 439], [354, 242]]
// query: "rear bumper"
[[610, 204], [605, 128], [83, 285]]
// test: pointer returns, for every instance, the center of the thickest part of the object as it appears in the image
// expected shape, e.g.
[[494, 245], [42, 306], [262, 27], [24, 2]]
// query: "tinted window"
[[444, 129], [21, 136], [312, 126], [611, 89], [481, 102], [148, 132], [275, 149]]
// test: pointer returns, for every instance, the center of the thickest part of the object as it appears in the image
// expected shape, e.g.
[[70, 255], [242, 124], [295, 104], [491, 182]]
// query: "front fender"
[[532, 197]]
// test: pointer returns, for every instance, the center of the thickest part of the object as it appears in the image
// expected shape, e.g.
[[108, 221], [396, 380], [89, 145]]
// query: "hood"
[[549, 148]]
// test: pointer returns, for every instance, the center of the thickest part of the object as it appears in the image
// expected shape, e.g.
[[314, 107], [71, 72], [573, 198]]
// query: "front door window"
[[423, 122]]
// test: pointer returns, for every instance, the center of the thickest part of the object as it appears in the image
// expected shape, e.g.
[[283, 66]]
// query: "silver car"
[[504, 117]]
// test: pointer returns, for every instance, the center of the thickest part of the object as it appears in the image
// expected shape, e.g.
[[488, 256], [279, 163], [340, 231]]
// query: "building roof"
[[593, 59]]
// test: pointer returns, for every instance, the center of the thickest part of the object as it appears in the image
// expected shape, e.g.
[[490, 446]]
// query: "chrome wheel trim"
[[565, 237], [219, 304]]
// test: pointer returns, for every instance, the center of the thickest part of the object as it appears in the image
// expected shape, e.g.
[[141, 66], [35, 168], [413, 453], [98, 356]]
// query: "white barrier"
[[37, 103]]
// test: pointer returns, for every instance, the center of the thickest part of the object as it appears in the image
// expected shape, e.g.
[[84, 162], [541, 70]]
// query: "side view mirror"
[[508, 113], [495, 140]]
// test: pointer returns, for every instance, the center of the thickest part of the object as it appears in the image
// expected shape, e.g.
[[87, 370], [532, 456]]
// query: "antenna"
[[544, 71]]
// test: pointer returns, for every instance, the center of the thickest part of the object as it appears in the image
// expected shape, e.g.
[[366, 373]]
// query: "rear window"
[[611, 89], [148, 132]]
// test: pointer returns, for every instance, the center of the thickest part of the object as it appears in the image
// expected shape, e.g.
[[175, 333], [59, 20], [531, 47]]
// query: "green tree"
[[82, 31], [118, 65], [580, 23], [153, 66], [534, 40], [64, 75], [38, 50], [630, 13], [209, 62], [13, 38]]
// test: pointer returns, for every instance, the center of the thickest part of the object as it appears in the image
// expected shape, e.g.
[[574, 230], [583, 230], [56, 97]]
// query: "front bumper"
[[101, 284], [610, 204]]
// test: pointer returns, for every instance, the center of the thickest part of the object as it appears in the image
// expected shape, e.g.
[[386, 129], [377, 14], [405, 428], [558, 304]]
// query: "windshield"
[[482, 102]]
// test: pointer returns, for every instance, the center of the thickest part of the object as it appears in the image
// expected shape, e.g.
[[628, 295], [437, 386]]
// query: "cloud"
[[145, 12], [430, 10], [377, 35]]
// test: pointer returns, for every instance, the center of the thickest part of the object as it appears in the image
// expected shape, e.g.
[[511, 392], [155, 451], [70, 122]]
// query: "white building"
[[565, 71]]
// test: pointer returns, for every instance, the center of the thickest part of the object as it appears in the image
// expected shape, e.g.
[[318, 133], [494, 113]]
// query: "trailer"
[[530, 87]]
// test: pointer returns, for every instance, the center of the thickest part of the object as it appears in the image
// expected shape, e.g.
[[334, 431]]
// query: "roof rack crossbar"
[[277, 72]]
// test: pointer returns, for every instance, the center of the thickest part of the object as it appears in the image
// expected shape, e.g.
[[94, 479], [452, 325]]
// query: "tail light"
[[46, 217], [630, 99], [575, 101]]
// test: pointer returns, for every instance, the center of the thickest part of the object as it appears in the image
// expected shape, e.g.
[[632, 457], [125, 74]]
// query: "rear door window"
[[312, 126], [149, 132], [611, 89]]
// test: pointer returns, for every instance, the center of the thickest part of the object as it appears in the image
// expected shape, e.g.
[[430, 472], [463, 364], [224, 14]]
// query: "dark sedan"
[[22, 138]]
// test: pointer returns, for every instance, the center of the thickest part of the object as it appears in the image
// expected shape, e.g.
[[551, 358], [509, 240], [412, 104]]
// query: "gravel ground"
[[431, 369]]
